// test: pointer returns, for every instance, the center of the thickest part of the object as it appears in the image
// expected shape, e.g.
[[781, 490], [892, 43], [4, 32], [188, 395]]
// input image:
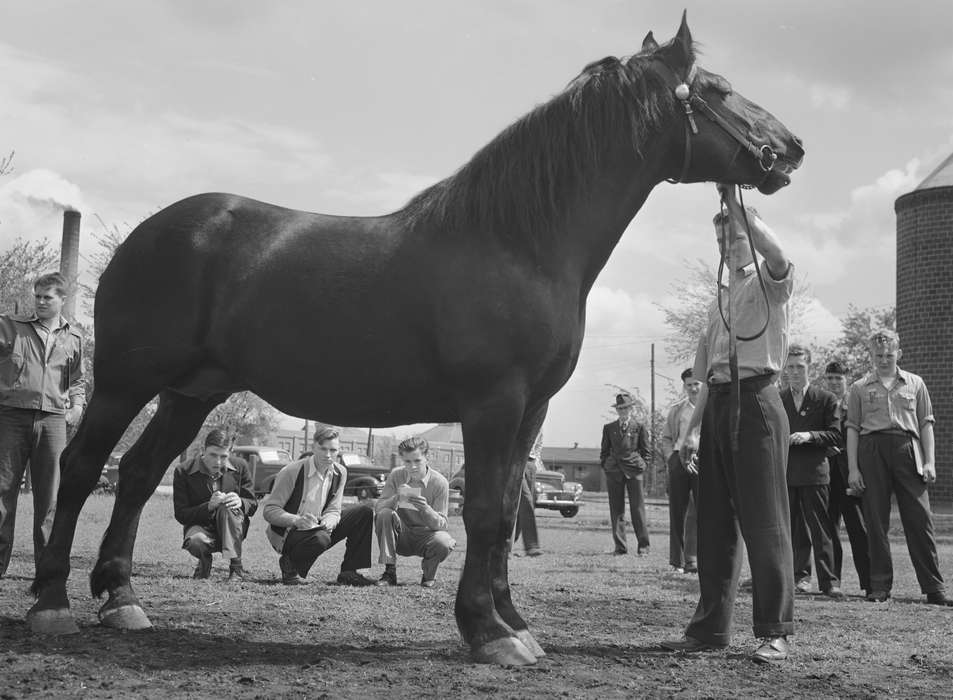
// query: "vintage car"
[[364, 478], [553, 492], [265, 462]]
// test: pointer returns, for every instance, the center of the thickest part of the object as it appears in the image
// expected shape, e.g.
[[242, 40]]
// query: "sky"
[[120, 108]]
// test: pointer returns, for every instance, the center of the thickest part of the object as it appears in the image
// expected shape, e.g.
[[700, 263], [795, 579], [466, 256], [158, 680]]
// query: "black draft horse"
[[466, 305]]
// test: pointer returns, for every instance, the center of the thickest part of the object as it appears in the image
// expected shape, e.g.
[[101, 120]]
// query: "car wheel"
[[569, 512]]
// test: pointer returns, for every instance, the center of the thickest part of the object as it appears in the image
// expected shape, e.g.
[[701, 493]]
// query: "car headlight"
[[573, 486]]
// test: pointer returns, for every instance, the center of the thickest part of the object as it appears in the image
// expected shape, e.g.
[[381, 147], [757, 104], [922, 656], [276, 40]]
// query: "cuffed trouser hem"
[[784, 629]]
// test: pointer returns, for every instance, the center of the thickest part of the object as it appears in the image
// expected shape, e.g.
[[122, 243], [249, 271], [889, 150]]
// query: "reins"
[[766, 158]]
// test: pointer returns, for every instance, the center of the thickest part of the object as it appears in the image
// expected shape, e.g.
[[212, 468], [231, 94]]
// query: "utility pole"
[[652, 409], [306, 426], [370, 443]]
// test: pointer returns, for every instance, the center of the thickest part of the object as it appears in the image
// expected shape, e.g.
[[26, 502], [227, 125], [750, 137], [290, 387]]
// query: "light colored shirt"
[[904, 406], [317, 486], [434, 487], [763, 355], [675, 431], [40, 369]]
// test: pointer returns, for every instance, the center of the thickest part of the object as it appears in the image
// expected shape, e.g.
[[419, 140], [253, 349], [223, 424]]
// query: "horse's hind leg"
[[490, 429], [499, 573], [175, 424], [81, 464]]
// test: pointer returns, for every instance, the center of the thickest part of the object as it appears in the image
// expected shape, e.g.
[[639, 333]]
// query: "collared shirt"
[[675, 431], [906, 405], [40, 369], [198, 465], [434, 487], [315, 494], [763, 355]]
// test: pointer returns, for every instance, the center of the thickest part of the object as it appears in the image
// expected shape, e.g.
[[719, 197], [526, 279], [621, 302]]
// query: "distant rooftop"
[[942, 176]]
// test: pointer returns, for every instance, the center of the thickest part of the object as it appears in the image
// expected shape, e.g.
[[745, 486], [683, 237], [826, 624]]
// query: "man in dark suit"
[[212, 497], [623, 456], [815, 430]]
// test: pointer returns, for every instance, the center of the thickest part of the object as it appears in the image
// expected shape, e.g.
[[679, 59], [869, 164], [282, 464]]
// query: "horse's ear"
[[683, 50], [649, 43]]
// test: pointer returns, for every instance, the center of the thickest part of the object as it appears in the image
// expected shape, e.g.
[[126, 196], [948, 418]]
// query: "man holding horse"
[[41, 391], [743, 448], [305, 515]]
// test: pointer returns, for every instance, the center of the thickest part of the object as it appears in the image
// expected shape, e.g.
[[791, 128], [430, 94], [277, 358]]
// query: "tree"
[[687, 314], [19, 267], [851, 347], [245, 417]]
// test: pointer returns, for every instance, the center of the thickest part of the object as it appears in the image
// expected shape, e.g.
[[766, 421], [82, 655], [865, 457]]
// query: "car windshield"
[[353, 460], [274, 456]]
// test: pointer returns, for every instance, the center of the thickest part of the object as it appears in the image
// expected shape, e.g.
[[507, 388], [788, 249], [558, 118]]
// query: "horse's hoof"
[[125, 617], [58, 621], [505, 651], [530, 643]]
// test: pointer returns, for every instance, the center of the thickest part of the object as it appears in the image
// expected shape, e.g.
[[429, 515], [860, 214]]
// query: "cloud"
[[832, 98]]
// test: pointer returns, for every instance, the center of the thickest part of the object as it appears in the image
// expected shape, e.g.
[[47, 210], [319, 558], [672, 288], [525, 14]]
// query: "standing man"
[[844, 504], [305, 515], [623, 456], [682, 479], [412, 515], [815, 429], [526, 511], [213, 498], [41, 392], [746, 486], [890, 451]]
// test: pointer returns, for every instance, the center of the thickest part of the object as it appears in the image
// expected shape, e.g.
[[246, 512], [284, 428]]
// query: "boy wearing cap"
[[845, 505], [623, 457], [890, 451]]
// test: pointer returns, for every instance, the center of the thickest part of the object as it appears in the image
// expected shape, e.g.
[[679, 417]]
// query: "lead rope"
[[734, 400]]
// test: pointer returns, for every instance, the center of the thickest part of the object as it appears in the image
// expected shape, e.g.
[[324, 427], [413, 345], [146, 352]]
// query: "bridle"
[[766, 159], [763, 154]]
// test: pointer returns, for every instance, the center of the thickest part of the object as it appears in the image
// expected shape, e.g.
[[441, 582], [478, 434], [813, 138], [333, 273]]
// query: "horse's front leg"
[[490, 430], [176, 422], [499, 566], [81, 464]]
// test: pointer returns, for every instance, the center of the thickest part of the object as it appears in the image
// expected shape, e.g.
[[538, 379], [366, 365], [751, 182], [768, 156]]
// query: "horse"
[[468, 304]]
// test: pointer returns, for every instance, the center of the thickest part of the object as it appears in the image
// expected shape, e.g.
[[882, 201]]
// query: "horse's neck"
[[595, 226]]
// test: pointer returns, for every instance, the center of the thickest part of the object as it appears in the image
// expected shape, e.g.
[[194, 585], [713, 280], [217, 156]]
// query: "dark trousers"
[[526, 516], [851, 509], [618, 485], [303, 547], [683, 530], [888, 466], [36, 437], [811, 529], [747, 489]]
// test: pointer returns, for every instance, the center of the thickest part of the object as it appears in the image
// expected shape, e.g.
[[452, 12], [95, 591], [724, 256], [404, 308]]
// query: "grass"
[[599, 617]]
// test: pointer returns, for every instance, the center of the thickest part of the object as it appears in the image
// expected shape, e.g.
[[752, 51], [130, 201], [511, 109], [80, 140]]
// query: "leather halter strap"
[[688, 98]]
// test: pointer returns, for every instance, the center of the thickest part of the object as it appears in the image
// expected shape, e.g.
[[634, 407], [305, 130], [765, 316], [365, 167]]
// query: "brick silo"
[[925, 303]]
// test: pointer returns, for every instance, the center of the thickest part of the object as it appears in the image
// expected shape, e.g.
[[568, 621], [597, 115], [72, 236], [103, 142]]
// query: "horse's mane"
[[520, 184]]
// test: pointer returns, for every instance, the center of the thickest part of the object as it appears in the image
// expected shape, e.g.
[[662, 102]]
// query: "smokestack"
[[69, 259]]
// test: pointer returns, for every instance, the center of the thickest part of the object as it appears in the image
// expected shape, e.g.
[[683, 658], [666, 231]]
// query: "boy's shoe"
[[388, 578], [689, 644], [803, 586], [428, 582], [534, 552], [939, 598], [236, 574], [878, 596], [643, 551], [204, 568], [352, 578], [772, 649]]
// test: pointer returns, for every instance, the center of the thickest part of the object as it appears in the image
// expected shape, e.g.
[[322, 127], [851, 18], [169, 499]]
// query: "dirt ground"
[[599, 617]]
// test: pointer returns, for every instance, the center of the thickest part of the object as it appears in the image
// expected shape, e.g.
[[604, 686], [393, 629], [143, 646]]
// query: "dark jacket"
[[807, 463], [624, 452], [192, 490]]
